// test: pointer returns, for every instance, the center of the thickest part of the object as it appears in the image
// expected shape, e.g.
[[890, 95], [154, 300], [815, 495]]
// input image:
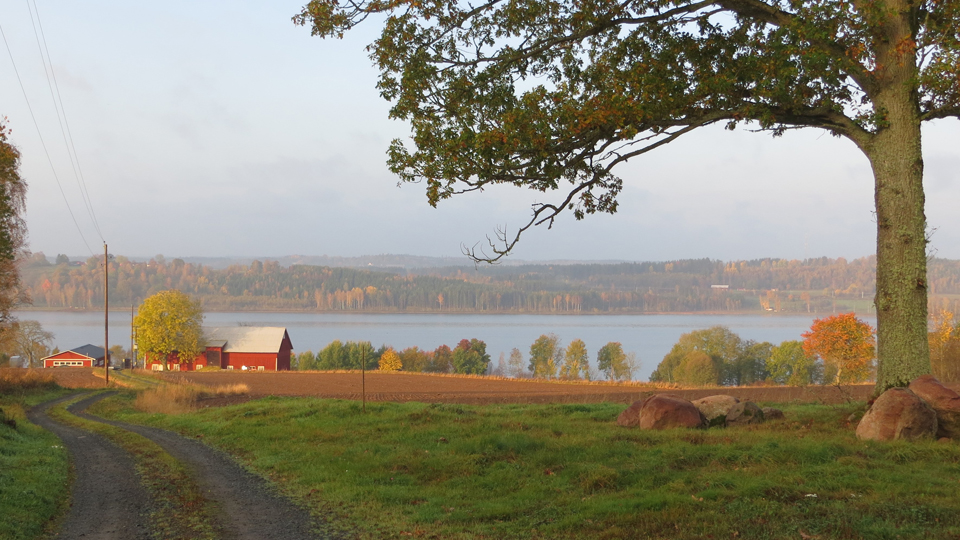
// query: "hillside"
[[811, 286]]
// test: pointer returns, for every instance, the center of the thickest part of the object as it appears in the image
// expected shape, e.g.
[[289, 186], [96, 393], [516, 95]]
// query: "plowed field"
[[451, 389], [77, 377]]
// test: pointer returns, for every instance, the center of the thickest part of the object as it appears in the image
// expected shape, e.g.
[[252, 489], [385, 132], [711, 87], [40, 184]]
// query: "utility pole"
[[106, 315], [363, 376], [133, 355]]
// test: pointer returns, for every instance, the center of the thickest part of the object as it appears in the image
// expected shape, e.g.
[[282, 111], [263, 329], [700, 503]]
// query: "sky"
[[222, 129]]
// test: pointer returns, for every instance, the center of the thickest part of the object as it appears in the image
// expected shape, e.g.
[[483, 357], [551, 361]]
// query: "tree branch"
[[936, 114], [548, 212], [772, 15], [538, 47], [826, 118]]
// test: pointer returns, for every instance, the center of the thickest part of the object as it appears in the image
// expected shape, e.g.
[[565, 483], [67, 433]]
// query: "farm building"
[[258, 348], [85, 356]]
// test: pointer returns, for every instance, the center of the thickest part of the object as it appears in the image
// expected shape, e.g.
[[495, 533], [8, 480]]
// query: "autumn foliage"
[[390, 361], [845, 344], [169, 326], [944, 340]]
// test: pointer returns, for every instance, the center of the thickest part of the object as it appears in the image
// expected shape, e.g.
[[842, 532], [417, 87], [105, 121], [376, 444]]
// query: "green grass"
[[181, 510], [133, 380], [34, 469], [567, 471]]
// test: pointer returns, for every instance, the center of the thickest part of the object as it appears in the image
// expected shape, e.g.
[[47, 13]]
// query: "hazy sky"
[[220, 128]]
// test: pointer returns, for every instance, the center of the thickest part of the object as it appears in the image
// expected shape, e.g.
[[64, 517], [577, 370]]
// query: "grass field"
[[33, 465], [567, 471]]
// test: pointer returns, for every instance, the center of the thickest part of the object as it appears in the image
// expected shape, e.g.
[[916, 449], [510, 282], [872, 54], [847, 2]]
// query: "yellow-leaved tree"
[[390, 361], [944, 346], [575, 361], [169, 327]]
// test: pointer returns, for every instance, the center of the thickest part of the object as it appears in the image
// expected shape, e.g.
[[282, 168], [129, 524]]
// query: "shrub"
[[16, 379], [181, 398]]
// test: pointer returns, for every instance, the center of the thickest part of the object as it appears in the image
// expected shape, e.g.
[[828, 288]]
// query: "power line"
[[42, 143], [71, 149]]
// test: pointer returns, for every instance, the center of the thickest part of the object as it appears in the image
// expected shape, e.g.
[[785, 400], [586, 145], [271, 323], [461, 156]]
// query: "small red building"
[[85, 356], [257, 348]]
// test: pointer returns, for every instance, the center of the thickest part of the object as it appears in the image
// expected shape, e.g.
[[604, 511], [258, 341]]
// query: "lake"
[[649, 336]]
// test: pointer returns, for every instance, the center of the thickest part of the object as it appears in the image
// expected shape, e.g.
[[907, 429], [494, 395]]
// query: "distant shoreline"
[[409, 312]]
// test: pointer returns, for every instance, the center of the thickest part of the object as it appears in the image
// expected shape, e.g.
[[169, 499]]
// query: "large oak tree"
[[554, 94]]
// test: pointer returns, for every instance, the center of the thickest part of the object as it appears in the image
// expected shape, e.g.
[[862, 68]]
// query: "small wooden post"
[[363, 377]]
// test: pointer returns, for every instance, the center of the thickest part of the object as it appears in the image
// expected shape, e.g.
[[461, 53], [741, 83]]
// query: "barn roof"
[[262, 339], [90, 351]]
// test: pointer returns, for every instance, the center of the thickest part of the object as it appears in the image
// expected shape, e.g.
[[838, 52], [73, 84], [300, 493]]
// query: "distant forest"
[[818, 286]]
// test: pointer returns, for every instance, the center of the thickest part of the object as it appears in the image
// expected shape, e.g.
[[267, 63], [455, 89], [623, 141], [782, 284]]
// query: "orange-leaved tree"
[[846, 345]]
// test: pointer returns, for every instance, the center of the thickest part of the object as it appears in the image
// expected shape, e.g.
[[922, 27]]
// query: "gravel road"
[[249, 508], [107, 500]]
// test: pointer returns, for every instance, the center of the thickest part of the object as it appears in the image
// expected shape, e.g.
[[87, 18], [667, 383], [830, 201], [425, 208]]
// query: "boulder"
[[770, 413], [744, 413], [898, 414], [631, 416], [945, 402], [662, 411], [715, 408]]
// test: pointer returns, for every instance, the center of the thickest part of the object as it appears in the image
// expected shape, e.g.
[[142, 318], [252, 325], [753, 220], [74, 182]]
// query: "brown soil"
[[77, 377], [477, 390]]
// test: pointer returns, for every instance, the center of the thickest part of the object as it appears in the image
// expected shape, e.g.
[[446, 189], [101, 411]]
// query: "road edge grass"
[[181, 511], [34, 469]]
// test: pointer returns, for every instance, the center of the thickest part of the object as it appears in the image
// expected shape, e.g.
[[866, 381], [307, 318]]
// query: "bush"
[[17, 379], [182, 398]]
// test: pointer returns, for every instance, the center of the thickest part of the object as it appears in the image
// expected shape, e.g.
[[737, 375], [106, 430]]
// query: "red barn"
[[85, 356], [258, 348]]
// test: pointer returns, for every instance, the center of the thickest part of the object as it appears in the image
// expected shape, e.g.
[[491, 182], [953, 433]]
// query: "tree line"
[[839, 349], [775, 285], [547, 359]]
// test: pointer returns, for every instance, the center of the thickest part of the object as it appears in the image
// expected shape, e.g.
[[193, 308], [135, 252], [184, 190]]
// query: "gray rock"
[[744, 413], [716, 408]]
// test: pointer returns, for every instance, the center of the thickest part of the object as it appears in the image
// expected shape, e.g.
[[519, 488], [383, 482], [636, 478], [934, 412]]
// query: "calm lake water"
[[649, 336]]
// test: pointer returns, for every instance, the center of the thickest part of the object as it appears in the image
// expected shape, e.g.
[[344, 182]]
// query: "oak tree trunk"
[[895, 156]]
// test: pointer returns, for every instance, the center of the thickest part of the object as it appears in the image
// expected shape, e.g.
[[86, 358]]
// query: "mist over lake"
[[649, 336]]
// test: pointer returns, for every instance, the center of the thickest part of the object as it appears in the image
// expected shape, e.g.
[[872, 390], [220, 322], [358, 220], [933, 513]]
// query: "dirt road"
[[109, 502], [250, 509]]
